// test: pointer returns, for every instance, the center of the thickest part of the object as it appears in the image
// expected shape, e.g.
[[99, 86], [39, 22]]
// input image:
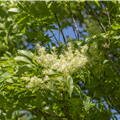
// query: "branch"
[[59, 28], [96, 16], [110, 59], [113, 106], [108, 94], [114, 67], [56, 116], [65, 108], [75, 24], [109, 22]]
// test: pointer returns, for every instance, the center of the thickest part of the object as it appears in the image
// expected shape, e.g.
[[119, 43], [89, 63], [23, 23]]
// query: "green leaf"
[[93, 83], [87, 102], [78, 89], [26, 53], [2, 100], [14, 10], [21, 59], [70, 85], [52, 72], [31, 34], [82, 0], [116, 26], [39, 99], [2, 13], [25, 68], [105, 61], [7, 74], [97, 2], [43, 8], [117, 37], [2, 26]]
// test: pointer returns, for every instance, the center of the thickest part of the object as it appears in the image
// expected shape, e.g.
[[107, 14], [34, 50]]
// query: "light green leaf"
[[14, 10], [24, 68], [117, 37], [52, 72], [97, 2], [116, 26], [2, 26], [105, 61], [82, 1], [21, 59], [70, 85], [87, 102], [5, 75], [26, 53]]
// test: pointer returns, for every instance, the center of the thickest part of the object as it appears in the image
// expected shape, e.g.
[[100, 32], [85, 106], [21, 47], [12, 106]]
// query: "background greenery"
[[91, 93]]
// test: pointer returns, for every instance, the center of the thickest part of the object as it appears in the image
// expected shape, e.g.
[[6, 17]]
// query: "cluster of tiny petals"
[[68, 62], [43, 83]]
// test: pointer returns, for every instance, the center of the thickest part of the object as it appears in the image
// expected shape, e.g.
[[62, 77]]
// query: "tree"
[[65, 79]]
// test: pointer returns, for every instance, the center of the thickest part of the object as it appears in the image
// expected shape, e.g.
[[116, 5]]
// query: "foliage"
[[43, 77]]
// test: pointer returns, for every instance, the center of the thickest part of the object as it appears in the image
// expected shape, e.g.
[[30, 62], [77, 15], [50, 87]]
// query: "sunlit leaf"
[[87, 102], [21, 59], [70, 85], [14, 10], [2, 26], [26, 53]]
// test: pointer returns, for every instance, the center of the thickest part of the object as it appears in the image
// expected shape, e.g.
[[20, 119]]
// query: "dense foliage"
[[48, 77]]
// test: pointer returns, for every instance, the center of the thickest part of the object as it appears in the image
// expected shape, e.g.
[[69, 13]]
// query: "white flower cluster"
[[43, 83], [68, 62]]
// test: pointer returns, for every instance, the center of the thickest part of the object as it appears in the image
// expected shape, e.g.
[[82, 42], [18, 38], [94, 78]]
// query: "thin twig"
[[108, 94], [109, 22], [112, 63], [112, 105], [75, 25], [96, 16], [65, 108], [54, 36], [114, 67], [57, 115], [60, 30], [48, 114]]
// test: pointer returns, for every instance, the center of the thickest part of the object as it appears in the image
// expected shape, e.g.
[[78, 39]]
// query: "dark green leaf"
[[93, 83]]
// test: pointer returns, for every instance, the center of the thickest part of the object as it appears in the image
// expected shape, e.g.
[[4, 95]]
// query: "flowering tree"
[[73, 79]]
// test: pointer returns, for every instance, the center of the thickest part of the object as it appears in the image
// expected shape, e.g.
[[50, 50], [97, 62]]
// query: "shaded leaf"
[[93, 83]]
